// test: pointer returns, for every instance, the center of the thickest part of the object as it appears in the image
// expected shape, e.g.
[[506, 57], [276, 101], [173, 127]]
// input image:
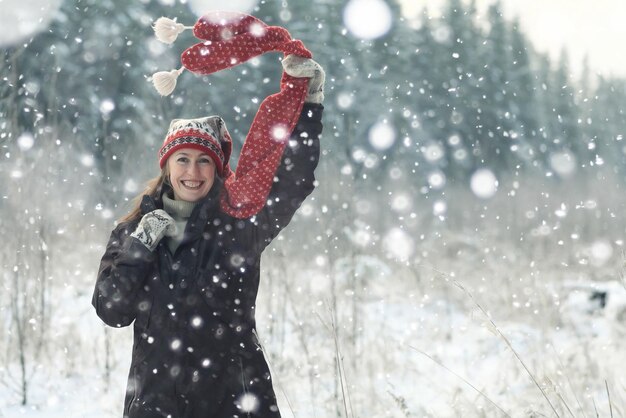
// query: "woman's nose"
[[193, 169]]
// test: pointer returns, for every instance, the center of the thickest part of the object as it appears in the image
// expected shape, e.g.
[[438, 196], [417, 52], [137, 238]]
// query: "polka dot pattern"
[[230, 39]]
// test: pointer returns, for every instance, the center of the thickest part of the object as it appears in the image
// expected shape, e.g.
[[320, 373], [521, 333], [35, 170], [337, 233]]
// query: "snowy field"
[[393, 371], [466, 328]]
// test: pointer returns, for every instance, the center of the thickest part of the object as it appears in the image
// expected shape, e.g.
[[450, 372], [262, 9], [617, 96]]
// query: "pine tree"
[[497, 116], [525, 118], [464, 68], [568, 135]]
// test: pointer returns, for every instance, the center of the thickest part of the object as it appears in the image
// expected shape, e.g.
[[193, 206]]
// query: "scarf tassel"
[[165, 81], [167, 30]]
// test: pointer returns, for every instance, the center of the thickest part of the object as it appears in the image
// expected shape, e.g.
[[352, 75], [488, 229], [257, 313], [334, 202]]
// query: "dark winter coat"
[[195, 352]]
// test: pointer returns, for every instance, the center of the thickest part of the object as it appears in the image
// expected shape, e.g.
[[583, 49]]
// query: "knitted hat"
[[208, 134]]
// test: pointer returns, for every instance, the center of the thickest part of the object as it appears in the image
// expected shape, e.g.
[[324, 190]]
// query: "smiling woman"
[[184, 265]]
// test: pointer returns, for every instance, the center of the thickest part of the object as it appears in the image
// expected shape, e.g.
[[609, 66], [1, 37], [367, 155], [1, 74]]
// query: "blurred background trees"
[[440, 132]]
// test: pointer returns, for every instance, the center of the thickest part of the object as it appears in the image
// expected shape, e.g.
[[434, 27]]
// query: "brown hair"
[[153, 186]]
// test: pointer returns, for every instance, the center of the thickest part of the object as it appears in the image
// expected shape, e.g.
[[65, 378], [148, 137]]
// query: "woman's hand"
[[301, 67], [153, 227]]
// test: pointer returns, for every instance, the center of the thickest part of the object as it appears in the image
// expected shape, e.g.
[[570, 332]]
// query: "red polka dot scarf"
[[229, 39]]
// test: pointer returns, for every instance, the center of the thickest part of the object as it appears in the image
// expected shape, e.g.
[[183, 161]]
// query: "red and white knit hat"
[[207, 134]]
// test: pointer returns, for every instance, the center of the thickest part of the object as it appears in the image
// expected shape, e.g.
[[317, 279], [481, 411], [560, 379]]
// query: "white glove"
[[153, 227], [301, 67]]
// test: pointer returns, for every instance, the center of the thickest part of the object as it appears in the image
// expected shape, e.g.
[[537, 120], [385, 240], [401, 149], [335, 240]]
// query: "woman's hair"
[[153, 187]]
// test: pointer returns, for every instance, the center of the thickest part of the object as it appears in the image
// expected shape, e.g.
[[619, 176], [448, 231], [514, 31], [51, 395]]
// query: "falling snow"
[[466, 231], [367, 19], [382, 136], [25, 141], [484, 183]]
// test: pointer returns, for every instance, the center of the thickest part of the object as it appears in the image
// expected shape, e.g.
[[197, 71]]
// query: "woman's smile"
[[190, 184]]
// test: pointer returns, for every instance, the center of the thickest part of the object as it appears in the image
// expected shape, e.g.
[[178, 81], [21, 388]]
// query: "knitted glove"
[[297, 66], [153, 227]]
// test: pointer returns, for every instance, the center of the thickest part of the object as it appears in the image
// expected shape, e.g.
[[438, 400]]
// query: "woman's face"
[[192, 173]]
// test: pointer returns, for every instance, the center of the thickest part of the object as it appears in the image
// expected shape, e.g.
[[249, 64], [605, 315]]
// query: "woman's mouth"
[[192, 185]]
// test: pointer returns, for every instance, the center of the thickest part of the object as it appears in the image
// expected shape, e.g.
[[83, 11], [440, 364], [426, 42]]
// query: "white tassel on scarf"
[[165, 81], [167, 30]]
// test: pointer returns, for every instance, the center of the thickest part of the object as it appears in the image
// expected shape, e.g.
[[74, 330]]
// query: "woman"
[[186, 271]]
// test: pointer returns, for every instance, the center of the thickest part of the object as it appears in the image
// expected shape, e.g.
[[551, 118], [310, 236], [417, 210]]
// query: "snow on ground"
[[571, 348], [70, 381]]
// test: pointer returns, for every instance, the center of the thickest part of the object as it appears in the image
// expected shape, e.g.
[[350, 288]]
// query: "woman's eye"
[[182, 159], [206, 161]]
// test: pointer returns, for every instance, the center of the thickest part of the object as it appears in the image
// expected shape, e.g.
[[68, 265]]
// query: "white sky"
[[593, 27]]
